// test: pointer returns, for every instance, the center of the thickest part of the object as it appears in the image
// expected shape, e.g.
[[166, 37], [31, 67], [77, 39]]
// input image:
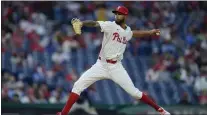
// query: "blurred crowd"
[[33, 28]]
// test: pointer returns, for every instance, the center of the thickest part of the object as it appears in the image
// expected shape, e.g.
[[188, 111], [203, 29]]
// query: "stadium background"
[[41, 58]]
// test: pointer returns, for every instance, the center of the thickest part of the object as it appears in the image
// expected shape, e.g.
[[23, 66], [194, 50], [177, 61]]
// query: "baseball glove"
[[77, 25]]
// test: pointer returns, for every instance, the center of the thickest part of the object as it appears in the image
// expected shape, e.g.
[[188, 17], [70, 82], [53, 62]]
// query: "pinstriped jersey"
[[114, 40]]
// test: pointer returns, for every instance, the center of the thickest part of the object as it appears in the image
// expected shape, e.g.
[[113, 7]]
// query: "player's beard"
[[119, 22]]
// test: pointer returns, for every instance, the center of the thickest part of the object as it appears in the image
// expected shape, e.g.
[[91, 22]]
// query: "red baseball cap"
[[122, 10]]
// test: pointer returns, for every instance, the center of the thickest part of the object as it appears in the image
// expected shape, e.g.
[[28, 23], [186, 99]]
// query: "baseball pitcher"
[[108, 64]]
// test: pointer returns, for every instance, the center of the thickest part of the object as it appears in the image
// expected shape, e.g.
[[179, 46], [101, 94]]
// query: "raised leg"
[[120, 76]]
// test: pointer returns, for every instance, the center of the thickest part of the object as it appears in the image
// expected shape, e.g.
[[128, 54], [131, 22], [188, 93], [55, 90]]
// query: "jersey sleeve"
[[106, 26], [130, 34]]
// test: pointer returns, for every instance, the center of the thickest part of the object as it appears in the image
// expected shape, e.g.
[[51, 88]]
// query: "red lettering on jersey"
[[124, 40], [119, 39], [116, 35]]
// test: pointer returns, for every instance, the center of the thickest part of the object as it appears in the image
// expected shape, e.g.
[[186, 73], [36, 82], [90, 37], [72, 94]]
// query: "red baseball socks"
[[72, 99], [149, 101]]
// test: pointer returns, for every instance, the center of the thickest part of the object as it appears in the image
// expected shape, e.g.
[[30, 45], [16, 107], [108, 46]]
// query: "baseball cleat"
[[163, 111]]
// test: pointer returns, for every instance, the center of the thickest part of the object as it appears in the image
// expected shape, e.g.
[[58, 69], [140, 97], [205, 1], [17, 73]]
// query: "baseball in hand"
[[158, 33]]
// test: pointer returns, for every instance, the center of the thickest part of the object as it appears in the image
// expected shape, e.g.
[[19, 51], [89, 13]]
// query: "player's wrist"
[[155, 32], [151, 32]]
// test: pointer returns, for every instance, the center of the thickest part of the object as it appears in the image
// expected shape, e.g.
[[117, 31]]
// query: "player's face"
[[119, 18]]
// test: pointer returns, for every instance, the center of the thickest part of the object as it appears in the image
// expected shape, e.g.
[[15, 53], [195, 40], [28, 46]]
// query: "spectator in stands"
[[15, 98], [203, 98], [193, 67], [30, 61], [39, 75], [68, 45], [4, 93], [50, 77], [201, 82], [15, 60], [153, 74], [166, 32], [185, 99], [72, 76], [101, 13], [58, 96], [186, 76], [177, 42], [200, 87], [59, 57], [190, 37], [28, 96], [40, 97]]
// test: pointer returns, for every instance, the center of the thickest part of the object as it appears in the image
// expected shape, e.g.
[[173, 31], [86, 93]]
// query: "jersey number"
[[119, 39]]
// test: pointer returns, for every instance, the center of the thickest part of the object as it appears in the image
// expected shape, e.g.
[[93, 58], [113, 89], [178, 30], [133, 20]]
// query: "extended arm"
[[143, 33], [90, 23], [77, 25]]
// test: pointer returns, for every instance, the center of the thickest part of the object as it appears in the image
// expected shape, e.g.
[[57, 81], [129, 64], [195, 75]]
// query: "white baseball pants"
[[103, 70]]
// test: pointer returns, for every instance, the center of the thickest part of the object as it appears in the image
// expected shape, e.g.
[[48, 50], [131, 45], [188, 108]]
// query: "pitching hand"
[[155, 32]]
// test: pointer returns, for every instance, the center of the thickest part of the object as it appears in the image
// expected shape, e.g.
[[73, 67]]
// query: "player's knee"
[[77, 88], [137, 94]]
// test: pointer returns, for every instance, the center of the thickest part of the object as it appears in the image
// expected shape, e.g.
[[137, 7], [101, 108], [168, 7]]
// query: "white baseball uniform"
[[113, 47]]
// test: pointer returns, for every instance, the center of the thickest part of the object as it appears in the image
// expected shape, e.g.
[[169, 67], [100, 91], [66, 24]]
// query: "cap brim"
[[114, 11]]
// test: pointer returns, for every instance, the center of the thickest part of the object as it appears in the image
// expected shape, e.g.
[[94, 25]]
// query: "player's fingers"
[[157, 32]]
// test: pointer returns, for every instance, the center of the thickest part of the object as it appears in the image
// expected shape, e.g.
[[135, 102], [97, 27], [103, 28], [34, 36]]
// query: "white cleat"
[[163, 111]]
